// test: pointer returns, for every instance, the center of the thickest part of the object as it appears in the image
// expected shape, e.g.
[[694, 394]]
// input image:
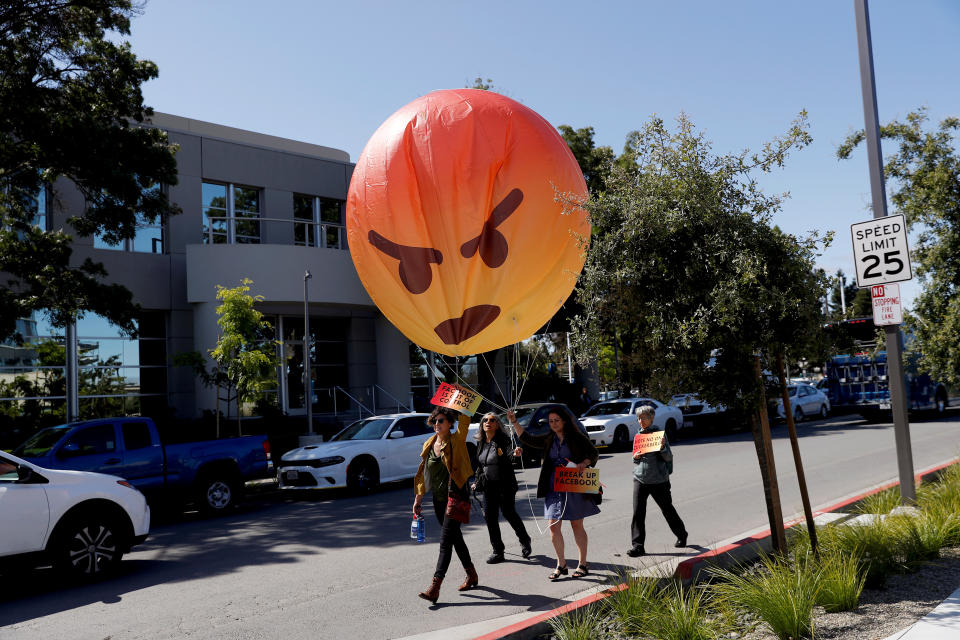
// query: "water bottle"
[[417, 530]]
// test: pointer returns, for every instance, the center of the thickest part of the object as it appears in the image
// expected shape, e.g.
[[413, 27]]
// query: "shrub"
[[583, 623], [635, 604], [881, 502], [840, 580], [779, 592], [684, 615]]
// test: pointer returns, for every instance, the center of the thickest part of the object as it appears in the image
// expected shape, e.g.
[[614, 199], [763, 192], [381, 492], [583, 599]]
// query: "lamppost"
[[307, 359]]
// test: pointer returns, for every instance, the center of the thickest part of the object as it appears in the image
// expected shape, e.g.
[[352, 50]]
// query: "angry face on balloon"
[[463, 223]]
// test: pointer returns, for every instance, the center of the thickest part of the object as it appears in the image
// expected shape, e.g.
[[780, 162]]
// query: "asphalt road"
[[334, 566]]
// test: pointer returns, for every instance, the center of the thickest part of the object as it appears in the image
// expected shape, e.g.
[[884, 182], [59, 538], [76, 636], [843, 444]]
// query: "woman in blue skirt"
[[563, 446]]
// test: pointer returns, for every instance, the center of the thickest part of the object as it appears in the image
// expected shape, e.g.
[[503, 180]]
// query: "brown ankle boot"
[[471, 580], [433, 592]]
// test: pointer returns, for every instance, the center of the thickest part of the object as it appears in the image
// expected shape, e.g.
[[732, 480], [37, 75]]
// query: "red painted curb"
[[685, 569]]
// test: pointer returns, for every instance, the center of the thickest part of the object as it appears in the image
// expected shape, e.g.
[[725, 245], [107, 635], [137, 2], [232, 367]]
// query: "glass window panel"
[[148, 240], [100, 243], [333, 237], [214, 195], [301, 232], [246, 199], [330, 211], [302, 207]]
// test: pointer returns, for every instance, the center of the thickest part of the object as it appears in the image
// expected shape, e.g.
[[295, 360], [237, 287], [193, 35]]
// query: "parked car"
[[533, 418], [367, 453], [614, 423], [211, 473], [698, 414], [806, 401], [81, 523]]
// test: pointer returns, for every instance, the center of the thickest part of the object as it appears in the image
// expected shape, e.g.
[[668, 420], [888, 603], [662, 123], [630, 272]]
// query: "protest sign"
[[569, 479], [647, 442], [455, 397]]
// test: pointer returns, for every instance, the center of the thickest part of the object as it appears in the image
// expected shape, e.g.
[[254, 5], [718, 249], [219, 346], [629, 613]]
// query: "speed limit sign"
[[880, 251]]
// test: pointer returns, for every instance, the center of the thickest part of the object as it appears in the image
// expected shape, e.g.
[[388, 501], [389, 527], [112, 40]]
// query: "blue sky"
[[329, 73]]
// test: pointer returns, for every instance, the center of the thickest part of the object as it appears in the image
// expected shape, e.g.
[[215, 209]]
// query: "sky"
[[330, 73]]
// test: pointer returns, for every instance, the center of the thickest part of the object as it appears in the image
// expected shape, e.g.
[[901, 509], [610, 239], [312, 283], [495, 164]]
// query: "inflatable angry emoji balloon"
[[460, 222]]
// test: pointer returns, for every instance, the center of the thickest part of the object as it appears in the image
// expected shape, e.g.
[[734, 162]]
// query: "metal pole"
[[307, 360], [71, 372], [569, 361], [843, 296], [898, 395]]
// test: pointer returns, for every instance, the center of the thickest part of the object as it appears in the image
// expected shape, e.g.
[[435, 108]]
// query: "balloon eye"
[[491, 243], [415, 272]]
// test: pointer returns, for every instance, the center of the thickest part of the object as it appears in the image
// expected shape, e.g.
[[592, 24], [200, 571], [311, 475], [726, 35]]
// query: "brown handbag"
[[458, 509]]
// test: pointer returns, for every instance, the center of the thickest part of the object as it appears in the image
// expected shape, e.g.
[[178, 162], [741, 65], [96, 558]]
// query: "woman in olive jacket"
[[445, 470], [563, 446], [498, 483]]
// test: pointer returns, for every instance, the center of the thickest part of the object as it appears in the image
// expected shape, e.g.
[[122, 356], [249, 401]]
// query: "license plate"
[[688, 423], [884, 405], [292, 474]]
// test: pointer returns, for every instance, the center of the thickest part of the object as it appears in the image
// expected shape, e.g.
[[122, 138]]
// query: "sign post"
[[886, 265]]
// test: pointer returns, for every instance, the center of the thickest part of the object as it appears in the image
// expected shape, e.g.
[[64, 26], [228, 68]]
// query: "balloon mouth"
[[473, 321]]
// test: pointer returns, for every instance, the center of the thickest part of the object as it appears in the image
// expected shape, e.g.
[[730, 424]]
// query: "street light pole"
[[307, 359]]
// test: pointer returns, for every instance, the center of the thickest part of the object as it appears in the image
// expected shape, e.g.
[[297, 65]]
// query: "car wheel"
[[798, 415], [217, 493], [621, 438], [823, 411], [671, 430], [89, 546], [363, 476]]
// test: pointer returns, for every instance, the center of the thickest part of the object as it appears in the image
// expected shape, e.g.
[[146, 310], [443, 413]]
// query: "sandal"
[[581, 571], [559, 571]]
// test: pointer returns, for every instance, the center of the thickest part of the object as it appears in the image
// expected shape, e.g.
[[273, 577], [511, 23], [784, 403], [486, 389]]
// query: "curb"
[[688, 569]]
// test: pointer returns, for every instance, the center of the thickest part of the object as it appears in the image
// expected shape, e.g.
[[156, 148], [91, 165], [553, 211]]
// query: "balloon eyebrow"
[[415, 273], [491, 243]]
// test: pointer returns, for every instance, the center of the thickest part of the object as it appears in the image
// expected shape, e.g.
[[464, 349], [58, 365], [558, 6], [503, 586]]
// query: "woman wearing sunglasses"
[[498, 483], [445, 470]]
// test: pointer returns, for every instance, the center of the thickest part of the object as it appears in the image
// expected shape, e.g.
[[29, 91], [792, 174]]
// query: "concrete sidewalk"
[[943, 623]]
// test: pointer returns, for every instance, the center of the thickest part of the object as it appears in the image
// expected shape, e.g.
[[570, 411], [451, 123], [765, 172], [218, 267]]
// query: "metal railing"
[[332, 235]]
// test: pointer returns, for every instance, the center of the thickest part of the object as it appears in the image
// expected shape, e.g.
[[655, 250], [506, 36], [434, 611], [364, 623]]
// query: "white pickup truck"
[[80, 522]]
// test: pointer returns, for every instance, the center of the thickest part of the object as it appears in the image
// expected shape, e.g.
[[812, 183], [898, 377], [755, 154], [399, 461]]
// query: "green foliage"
[[580, 624], [684, 266], [840, 580], [70, 103], [880, 502], [634, 605], [595, 162], [480, 83], [245, 358], [780, 592], [924, 179]]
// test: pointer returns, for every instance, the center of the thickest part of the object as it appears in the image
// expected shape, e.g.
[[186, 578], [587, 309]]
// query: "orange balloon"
[[457, 225]]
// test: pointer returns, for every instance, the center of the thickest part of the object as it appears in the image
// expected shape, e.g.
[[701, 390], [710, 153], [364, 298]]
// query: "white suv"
[[614, 423], [79, 522]]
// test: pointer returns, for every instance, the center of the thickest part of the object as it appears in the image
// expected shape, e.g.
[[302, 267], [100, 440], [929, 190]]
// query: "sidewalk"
[[943, 623]]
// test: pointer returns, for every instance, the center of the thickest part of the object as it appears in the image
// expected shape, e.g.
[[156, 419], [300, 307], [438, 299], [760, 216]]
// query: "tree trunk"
[[795, 445], [771, 490]]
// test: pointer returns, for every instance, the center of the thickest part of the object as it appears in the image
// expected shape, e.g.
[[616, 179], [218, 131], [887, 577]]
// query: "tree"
[[244, 356], [924, 181], [594, 161], [688, 274], [71, 106]]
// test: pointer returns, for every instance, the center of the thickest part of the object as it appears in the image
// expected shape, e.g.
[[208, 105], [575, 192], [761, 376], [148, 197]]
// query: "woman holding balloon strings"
[[563, 446], [496, 480], [445, 469]]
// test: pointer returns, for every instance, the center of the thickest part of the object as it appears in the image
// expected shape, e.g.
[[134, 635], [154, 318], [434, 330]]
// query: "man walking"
[[651, 477]]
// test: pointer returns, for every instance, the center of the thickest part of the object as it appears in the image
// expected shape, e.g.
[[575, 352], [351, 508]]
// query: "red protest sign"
[[458, 398], [647, 442]]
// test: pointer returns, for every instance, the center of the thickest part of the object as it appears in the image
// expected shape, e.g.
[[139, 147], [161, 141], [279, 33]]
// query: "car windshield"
[[523, 415], [40, 443], [679, 401], [608, 409], [369, 429], [792, 391]]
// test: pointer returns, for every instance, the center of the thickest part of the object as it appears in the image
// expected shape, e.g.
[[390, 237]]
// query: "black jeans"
[[450, 538], [497, 501], [661, 495]]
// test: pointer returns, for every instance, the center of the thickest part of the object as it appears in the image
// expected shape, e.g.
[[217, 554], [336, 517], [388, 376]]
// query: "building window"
[[318, 222], [148, 238], [231, 214]]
